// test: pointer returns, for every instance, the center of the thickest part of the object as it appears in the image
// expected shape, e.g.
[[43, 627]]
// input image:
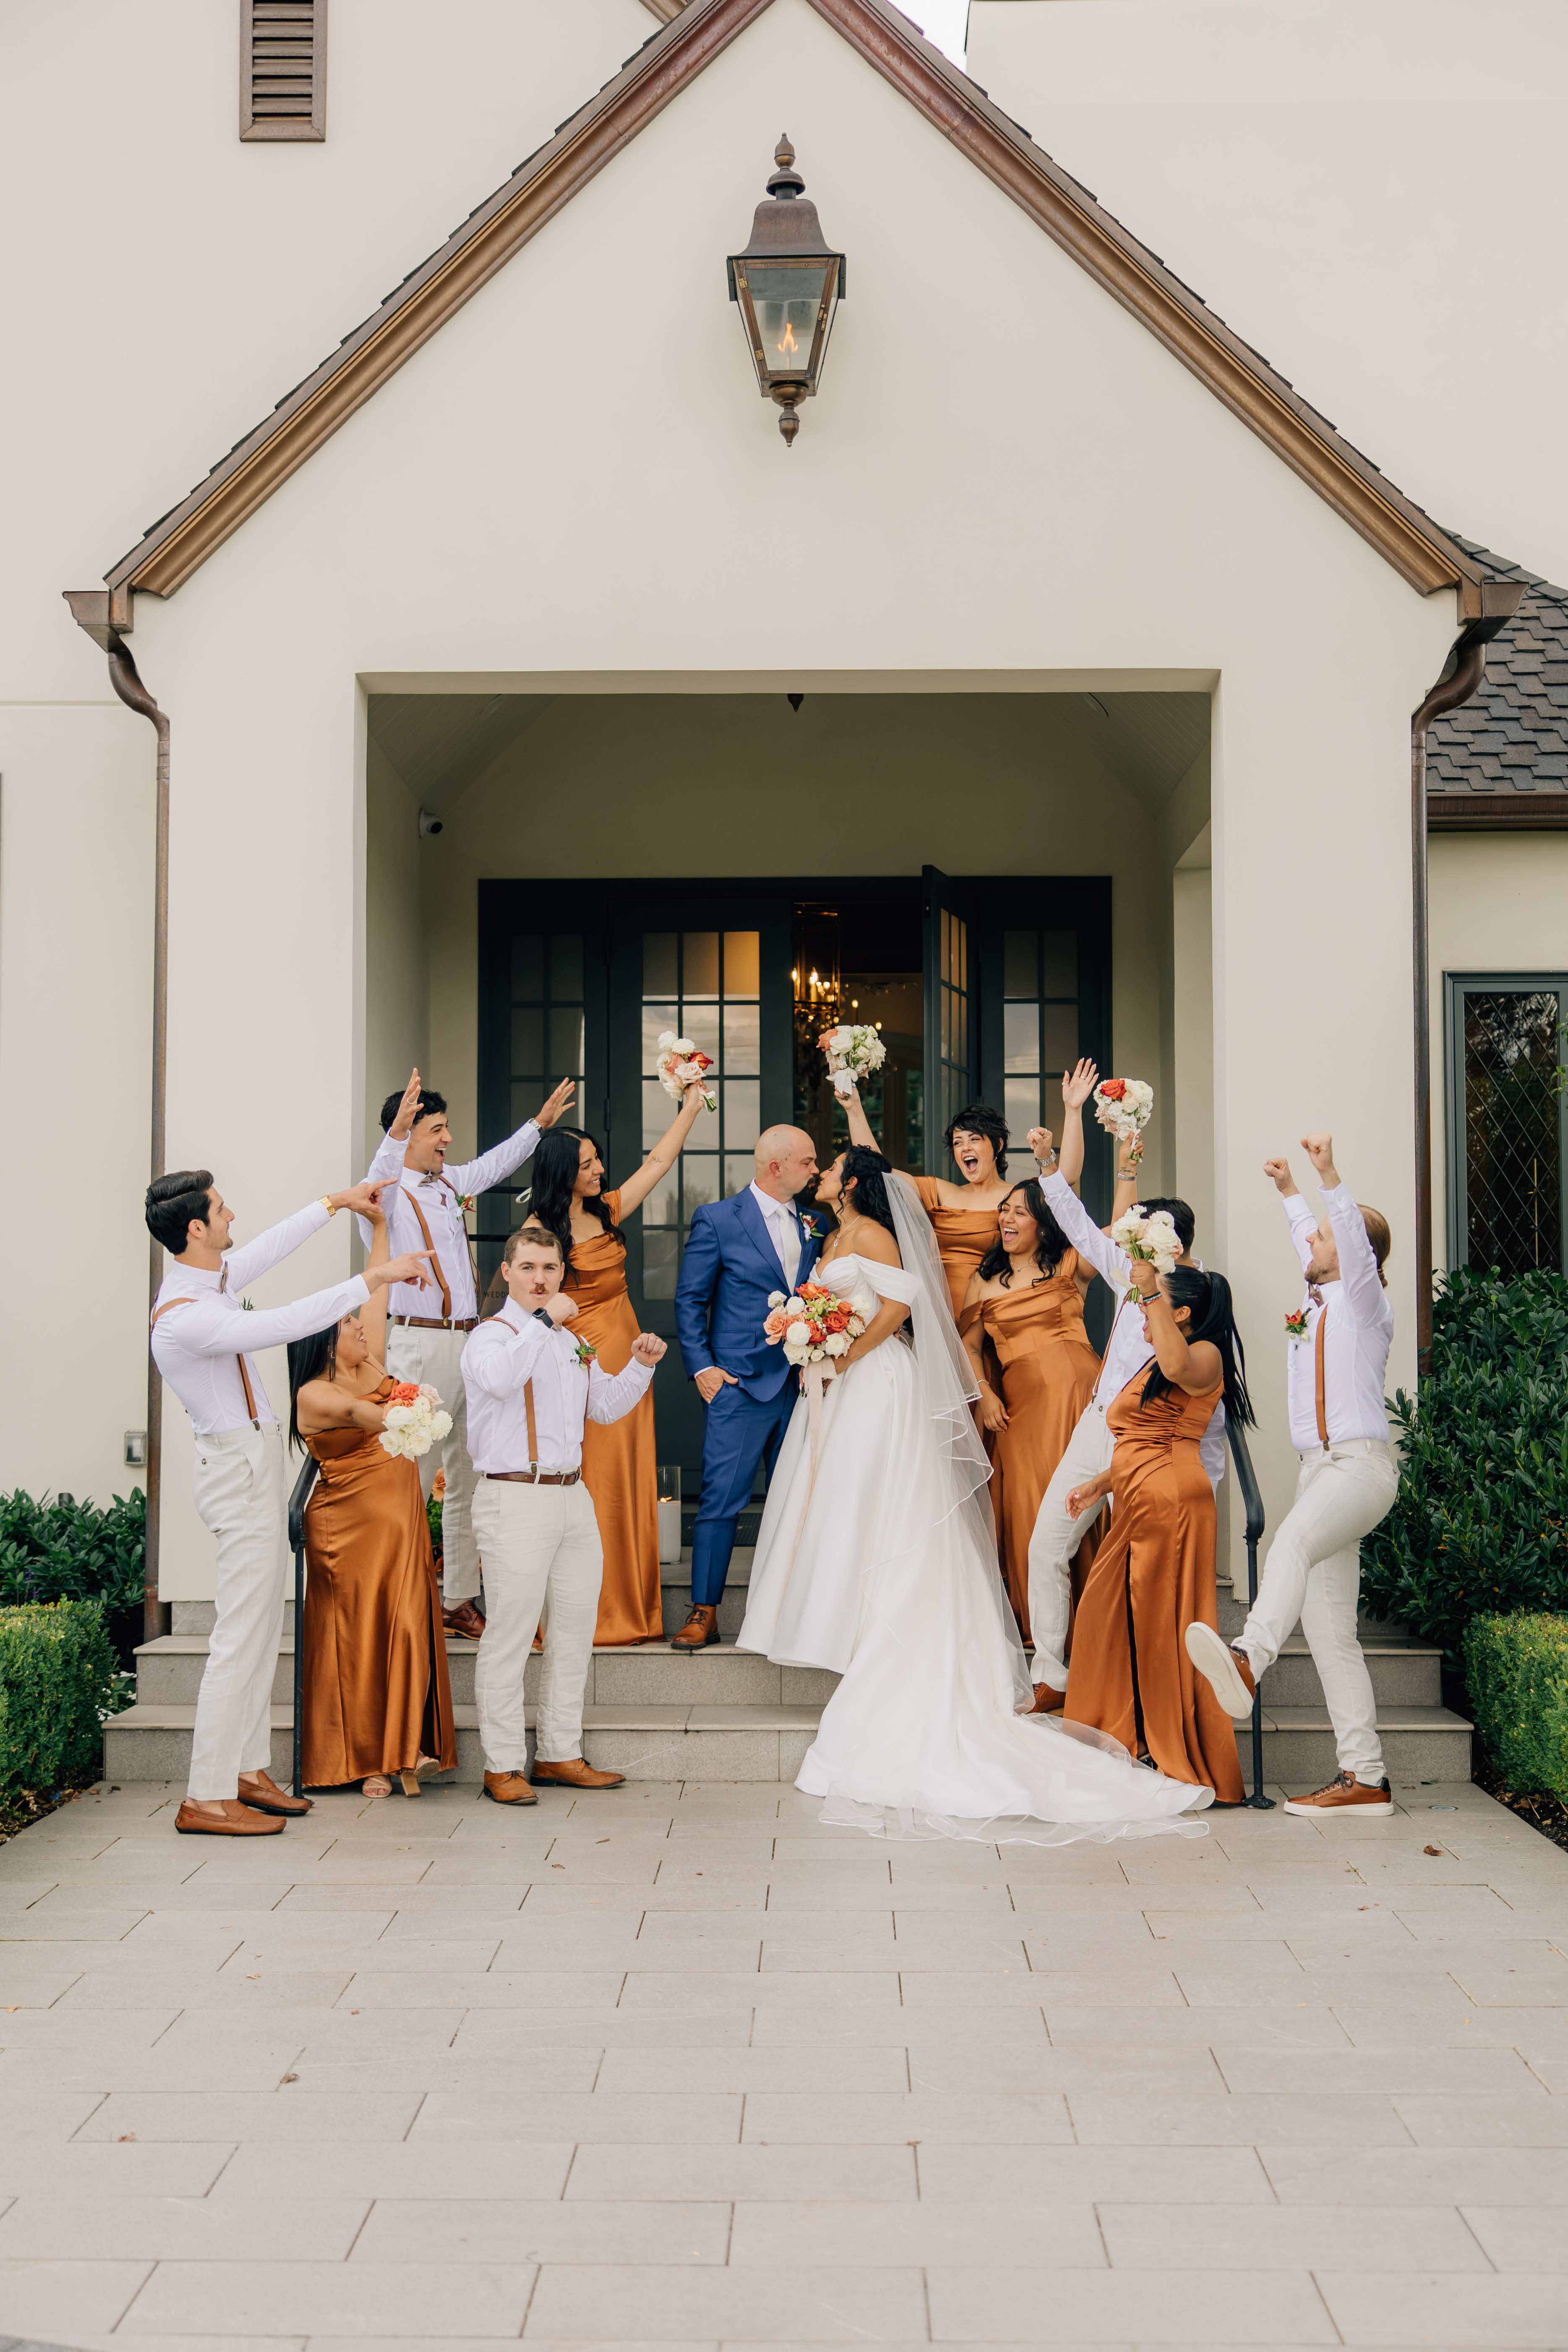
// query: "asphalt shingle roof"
[[1512, 737]]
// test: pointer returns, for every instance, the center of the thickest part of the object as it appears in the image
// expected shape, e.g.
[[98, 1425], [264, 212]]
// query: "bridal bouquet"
[[1123, 1107], [681, 1065], [813, 1324], [853, 1050], [413, 1421], [1150, 1236]]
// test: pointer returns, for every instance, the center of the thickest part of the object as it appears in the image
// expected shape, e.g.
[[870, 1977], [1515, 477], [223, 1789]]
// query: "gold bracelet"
[[329, 1206]]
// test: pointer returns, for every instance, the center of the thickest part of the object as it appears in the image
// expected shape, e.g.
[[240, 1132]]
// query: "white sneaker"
[[1226, 1672]]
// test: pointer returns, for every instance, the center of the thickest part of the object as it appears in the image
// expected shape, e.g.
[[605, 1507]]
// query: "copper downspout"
[[1500, 601], [96, 613]]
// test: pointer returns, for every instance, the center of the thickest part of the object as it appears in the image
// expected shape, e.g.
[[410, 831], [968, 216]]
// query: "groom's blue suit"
[[727, 1275]]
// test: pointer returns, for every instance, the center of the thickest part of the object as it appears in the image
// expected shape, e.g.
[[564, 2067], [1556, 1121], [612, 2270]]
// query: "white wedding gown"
[[885, 1571]]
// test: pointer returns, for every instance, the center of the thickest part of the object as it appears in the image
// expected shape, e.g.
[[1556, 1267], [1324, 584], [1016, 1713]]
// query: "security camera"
[[428, 824]]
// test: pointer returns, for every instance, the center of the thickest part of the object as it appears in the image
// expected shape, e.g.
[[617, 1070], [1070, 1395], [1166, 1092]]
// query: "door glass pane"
[[657, 1110], [743, 962], [566, 965], [1059, 1048], [700, 1024], [742, 1043], [527, 967], [660, 1262], [1021, 1107], [1513, 1175], [743, 1113], [662, 1206], [699, 960], [1021, 1037], [1059, 963], [660, 966], [1020, 963], [567, 1041], [699, 1182], [528, 1044], [739, 1170], [661, 1013]]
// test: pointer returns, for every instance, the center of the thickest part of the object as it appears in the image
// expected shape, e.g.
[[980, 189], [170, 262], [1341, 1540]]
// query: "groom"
[[740, 1251]]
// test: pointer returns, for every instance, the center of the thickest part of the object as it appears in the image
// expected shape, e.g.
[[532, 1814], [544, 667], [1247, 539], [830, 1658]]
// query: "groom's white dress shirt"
[[1356, 1338], [1127, 1353], [783, 1228], [198, 1343], [507, 1352], [439, 1200]]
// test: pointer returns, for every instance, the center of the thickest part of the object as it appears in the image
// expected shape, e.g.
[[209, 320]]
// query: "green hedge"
[[1518, 1674], [57, 1680], [59, 1549], [1480, 1525]]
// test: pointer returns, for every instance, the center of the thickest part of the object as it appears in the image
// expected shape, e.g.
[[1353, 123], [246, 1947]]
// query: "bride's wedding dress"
[[884, 1569]]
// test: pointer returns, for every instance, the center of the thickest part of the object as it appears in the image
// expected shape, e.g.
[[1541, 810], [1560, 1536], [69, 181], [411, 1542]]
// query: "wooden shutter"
[[283, 69]]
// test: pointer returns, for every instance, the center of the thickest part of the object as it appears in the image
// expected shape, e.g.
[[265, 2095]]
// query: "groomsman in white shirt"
[[529, 1386], [202, 1343], [1128, 1355], [1336, 1370], [426, 1210]]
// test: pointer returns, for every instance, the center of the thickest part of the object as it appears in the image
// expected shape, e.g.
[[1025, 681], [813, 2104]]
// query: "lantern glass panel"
[[786, 297]]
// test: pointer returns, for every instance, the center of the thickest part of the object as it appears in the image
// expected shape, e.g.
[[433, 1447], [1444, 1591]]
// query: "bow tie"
[[1314, 1294]]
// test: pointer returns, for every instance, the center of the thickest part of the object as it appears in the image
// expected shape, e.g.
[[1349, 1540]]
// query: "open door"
[[951, 1010]]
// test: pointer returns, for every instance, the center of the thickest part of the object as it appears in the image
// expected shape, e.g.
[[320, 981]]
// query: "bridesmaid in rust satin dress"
[[962, 1216], [1024, 1314], [1129, 1675], [618, 1457], [378, 1699]]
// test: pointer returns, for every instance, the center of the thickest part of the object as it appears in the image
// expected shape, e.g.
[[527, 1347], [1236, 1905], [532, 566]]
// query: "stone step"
[[714, 1741]]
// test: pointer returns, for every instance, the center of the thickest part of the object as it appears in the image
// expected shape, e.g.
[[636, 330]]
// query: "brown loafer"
[[1047, 1700], [261, 1792], [464, 1619], [236, 1820], [510, 1789], [699, 1629], [576, 1774]]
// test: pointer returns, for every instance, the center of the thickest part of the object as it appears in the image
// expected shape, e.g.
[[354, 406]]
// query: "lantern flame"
[[789, 345]]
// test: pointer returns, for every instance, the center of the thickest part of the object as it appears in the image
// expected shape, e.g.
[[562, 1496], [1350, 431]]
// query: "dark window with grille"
[[1508, 1121], [283, 69]]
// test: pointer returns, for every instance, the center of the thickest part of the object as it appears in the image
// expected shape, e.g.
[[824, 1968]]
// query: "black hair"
[[868, 1172], [315, 1359], [1211, 1316], [1181, 1216], [430, 1103], [556, 1166], [979, 1118], [173, 1201], [1050, 1251]]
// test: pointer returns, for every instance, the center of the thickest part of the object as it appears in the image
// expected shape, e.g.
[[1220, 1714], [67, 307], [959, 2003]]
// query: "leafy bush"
[[1479, 1523], [57, 1681], [1517, 1669], [61, 1550]]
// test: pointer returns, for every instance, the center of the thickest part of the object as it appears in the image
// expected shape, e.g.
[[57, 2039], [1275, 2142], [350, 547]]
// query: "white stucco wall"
[[1372, 191], [1496, 906], [525, 505]]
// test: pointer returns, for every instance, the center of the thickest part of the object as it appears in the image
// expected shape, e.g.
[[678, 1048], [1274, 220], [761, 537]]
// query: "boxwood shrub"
[[1517, 1669], [1480, 1526], [59, 1678], [55, 1548]]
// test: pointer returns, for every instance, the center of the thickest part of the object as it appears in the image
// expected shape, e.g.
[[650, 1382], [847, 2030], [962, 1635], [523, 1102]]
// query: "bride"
[[878, 1559]]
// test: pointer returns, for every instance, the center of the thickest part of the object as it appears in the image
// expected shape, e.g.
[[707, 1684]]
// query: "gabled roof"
[[178, 545], [1502, 758]]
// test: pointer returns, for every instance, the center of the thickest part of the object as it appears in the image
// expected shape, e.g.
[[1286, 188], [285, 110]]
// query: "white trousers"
[[1056, 1537], [242, 1496], [434, 1359], [1313, 1573], [544, 1566]]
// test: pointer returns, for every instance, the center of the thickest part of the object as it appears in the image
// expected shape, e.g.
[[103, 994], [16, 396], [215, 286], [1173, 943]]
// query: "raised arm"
[[665, 1153], [500, 1359], [373, 1314], [1300, 1217], [1192, 1368], [1108, 1261], [859, 1125], [1359, 1279], [494, 1166]]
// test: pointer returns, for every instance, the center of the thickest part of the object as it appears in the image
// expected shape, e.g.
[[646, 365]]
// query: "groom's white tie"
[[787, 1234]]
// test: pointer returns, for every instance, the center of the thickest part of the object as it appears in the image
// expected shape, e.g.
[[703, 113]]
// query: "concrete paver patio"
[[677, 2066]]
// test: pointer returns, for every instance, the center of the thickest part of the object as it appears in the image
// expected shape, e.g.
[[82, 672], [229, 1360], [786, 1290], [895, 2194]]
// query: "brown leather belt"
[[435, 1322], [535, 1477]]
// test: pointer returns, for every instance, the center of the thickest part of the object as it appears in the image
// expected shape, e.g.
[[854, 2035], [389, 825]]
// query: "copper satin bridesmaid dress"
[[377, 1694], [618, 1466], [1153, 1576], [962, 1238], [1047, 1369]]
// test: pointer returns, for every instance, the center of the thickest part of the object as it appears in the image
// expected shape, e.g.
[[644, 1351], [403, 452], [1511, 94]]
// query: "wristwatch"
[[329, 1206], [543, 1314]]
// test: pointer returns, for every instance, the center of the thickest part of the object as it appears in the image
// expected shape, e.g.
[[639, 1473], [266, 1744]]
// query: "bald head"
[[786, 1162]]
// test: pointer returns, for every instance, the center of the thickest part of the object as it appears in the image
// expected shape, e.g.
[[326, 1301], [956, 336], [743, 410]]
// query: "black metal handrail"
[[1252, 1500], [296, 1502]]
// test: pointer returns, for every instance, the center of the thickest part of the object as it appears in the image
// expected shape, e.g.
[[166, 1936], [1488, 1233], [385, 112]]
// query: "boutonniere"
[[466, 1204], [810, 1226], [1296, 1325], [247, 1305], [586, 1353]]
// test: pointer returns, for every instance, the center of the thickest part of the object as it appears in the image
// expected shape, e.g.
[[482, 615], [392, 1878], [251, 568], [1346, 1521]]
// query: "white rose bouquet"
[[1123, 1107], [681, 1065], [813, 1324], [853, 1050], [415, 1421], [1149, 1235]]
